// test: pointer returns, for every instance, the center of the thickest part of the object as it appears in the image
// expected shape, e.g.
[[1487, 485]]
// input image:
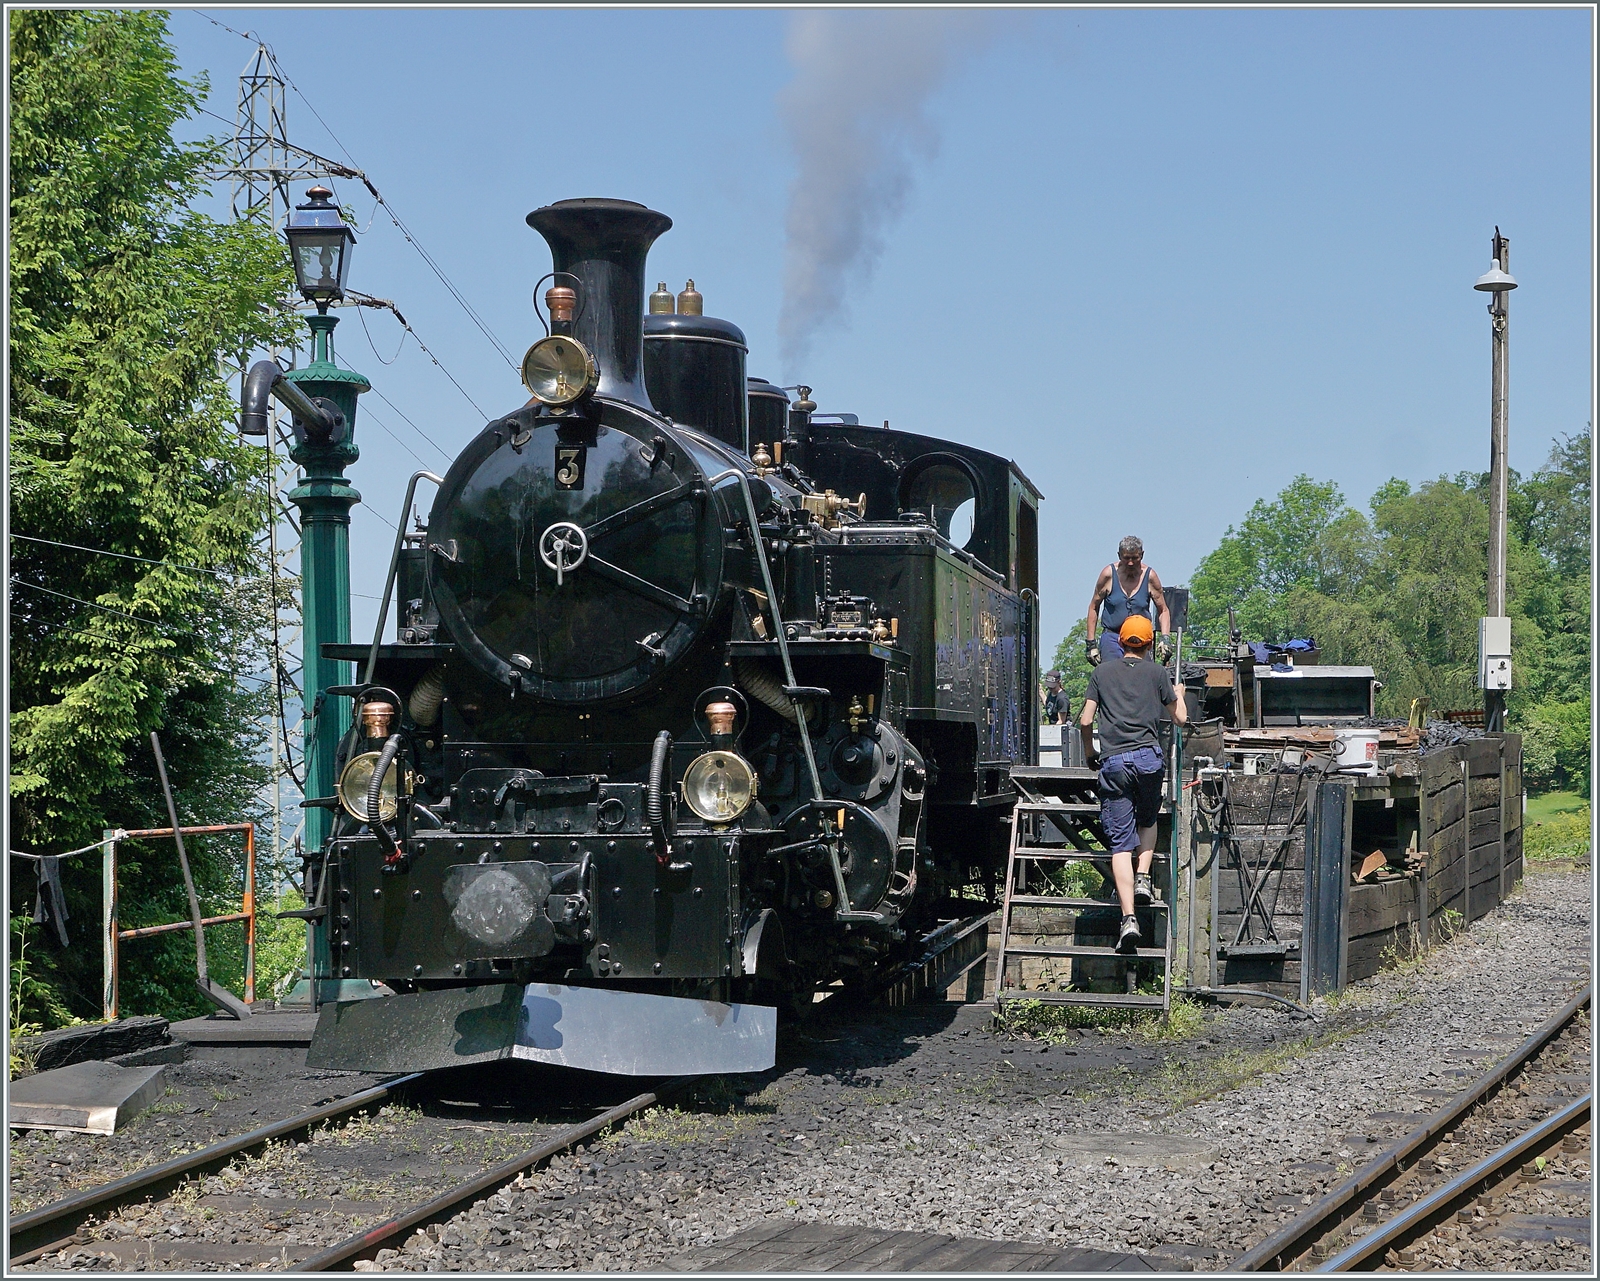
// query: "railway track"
[[1457, 1172], [50, 1228], [953, 946], [59, 1228], [392, 1232]]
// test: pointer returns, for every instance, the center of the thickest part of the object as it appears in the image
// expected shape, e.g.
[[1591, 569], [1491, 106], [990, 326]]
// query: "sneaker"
[[1144, 890], [1130, 937]]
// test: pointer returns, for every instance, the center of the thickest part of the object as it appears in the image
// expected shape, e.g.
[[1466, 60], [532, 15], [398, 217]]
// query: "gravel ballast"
[[924, 1119]]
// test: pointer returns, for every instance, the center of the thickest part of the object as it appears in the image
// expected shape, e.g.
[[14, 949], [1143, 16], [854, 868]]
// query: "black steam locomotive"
[[697, 700]]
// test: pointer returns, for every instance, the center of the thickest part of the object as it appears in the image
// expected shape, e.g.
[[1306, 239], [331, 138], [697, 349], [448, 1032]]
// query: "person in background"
[[1125, 590], [1128, 693], [1057, 705]]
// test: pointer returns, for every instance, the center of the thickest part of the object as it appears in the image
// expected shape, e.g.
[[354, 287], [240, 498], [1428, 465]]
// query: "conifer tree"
[[139, 590]]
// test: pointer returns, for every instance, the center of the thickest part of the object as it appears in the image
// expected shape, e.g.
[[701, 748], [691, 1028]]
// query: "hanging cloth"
[[51, 903]]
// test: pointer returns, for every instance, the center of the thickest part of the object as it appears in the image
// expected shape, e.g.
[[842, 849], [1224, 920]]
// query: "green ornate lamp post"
[[320, 242], [322, 399]]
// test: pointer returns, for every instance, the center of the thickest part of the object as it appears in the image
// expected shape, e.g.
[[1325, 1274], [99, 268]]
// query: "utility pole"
[[1494, 630]]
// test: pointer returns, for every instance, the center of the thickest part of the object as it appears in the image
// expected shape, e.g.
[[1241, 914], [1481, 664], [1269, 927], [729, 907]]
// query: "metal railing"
[[112, 935]]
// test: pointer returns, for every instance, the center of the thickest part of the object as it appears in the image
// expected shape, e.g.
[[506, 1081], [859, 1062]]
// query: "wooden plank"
[[1484, 829], [1485, 860], [1287, 928], [1482, 756], [1266, 798], [1372, 952], [1443, 885], [1446, 844], [1255, 846], [1058, 921], [1284, 894], [1381, 906], [1445, 807], [1452, 902], [1440, 769]]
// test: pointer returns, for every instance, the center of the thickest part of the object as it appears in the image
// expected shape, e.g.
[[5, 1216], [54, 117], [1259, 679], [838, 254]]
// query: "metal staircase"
[[1056, 823]]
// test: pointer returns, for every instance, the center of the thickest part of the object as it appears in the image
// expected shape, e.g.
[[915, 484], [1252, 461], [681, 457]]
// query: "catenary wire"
[[378, 196], [170, 564], [401, 414]]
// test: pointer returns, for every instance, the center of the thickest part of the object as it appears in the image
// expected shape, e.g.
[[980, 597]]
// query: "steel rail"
[[365, 1245], [1415, 1220], [49, 1227], [1278, 1251]]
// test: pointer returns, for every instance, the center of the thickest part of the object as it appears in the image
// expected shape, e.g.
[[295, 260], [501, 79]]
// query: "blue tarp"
[[1274, 655]]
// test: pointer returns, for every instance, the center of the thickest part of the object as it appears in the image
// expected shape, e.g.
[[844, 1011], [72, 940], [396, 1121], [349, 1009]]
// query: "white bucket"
[[1356, 747]]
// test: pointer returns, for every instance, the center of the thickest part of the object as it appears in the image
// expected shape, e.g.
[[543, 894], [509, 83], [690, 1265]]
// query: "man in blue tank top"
[[1123, 591], [1128, 694]]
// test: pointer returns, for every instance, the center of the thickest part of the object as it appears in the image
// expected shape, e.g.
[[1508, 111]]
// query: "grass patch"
[[1181, 1083], [1043, 1021], [1548, 805], [1561, 833], [711, 1109]]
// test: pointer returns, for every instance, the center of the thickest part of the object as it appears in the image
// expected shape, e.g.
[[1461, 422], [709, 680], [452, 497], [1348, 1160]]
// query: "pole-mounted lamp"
[[321, 396], [1494, 629], [319, 244], [1495, 281]]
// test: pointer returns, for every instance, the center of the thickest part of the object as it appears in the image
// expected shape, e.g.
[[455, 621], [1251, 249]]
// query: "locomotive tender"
[[694, 702]]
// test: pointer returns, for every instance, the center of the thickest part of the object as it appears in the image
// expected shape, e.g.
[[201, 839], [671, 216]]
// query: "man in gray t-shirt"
[[1128, 694]]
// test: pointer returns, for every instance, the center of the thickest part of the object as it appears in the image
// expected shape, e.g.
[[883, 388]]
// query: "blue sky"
[[1164, 259]]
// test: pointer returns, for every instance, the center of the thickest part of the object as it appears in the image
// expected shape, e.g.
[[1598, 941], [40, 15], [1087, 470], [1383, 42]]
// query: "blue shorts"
[[1110, 647], [1130, 795]]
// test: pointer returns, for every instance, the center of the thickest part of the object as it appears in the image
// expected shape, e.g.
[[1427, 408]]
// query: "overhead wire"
[[372, 417], [366, 300], [146, 560], [378, 197], [443, 453], [368, 334], [362, 300]]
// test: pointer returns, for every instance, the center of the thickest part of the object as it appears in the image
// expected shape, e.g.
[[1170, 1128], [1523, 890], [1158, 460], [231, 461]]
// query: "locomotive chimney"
[[604, 243]]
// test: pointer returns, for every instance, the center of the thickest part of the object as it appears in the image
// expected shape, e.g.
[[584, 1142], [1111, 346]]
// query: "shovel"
[[214, 992]]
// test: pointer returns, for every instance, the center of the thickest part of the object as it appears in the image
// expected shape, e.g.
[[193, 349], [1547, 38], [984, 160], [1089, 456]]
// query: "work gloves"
[[1163, 651], [1093, 649]]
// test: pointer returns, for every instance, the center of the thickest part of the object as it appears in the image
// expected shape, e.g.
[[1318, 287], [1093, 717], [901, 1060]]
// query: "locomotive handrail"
[[844, 909], [394, 568]]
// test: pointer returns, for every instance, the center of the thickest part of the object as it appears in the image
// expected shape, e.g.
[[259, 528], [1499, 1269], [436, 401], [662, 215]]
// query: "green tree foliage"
[[1402, 589], [1277, 547], [1402, 586], [123, 301], [1072, 661]]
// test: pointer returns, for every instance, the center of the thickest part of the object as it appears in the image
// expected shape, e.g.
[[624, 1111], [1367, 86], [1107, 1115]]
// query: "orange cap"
[[1137, 631]]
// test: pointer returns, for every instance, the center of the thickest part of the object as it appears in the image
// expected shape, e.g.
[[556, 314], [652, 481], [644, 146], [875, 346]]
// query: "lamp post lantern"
[[322, 400], [319, 245], [1494, 630]]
